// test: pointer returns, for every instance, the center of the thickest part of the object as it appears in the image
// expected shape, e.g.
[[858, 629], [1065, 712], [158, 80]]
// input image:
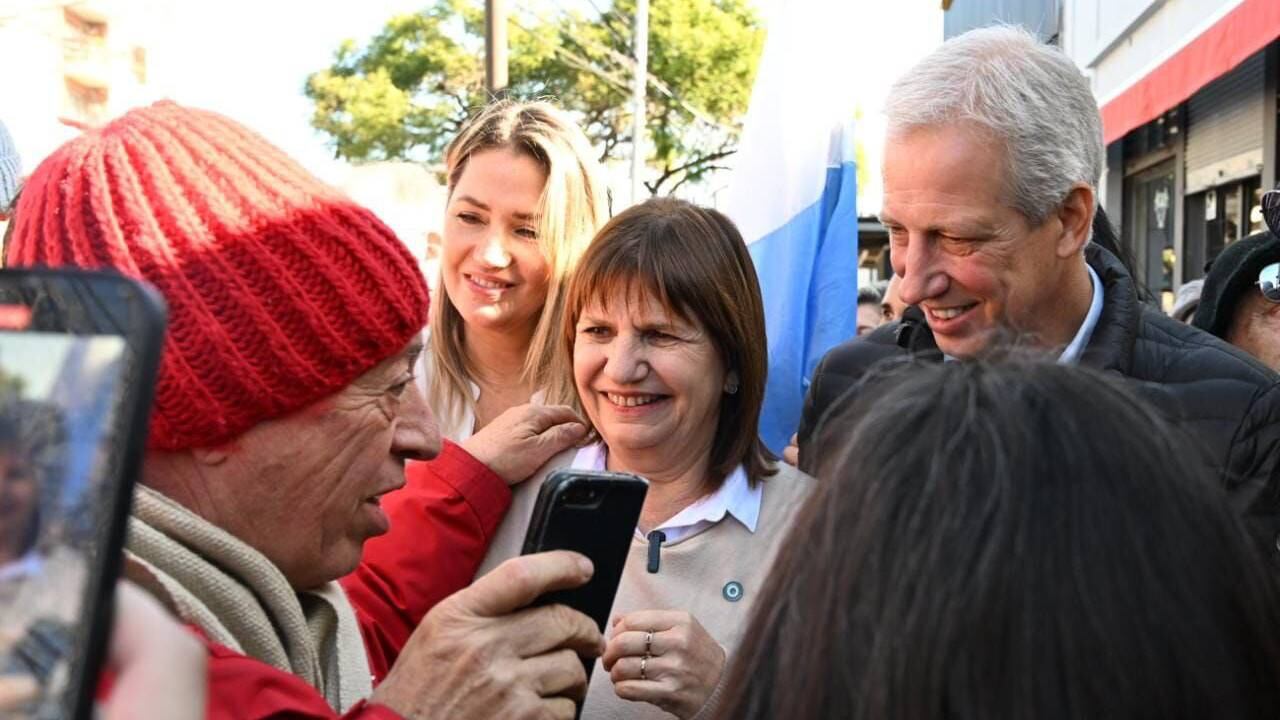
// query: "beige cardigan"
[[693, 574]]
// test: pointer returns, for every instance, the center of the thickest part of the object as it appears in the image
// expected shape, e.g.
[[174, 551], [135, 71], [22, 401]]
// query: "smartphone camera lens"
[[584, 496]]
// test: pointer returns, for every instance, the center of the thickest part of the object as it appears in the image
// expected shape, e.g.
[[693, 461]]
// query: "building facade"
[[70, 64], [1188, 95]]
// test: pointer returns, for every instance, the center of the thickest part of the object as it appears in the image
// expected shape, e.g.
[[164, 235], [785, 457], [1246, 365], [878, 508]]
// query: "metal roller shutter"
[[1224, 127]]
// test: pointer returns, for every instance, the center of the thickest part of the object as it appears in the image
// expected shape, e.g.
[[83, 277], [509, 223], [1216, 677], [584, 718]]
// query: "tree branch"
[[689, 167]]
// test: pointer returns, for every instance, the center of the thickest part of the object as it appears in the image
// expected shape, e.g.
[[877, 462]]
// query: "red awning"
[[1227, 43]]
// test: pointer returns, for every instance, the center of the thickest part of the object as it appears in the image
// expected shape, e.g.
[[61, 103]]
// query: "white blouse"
[[460, 424]]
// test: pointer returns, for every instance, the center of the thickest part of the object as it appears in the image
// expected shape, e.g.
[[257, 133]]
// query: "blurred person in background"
[[996, 541], [10, 181], [19, 506], [1240, 302], [664, 323], [285, 410], [1187, 300], [42, 577], [10, 172], [992, 159], [869, 313], [892, 307]]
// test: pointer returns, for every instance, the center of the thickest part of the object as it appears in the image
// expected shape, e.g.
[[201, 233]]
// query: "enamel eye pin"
[[732, 591]]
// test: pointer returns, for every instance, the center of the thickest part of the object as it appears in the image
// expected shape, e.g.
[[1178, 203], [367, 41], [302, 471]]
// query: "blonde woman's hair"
[[572, 207]]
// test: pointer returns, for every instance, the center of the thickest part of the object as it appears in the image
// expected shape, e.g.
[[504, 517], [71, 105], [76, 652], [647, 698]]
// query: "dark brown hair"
[[693, 261], [1013, 540]]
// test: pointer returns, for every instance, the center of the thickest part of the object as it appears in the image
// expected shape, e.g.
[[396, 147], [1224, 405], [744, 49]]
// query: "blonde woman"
[[525, 198]]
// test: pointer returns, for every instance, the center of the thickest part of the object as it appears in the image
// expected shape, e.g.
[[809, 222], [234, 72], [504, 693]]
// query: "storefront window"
[[1232, 209], [1253, 214], [1150, 235]]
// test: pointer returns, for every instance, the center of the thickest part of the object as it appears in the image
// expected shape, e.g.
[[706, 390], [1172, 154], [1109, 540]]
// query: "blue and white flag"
[[792, 193]]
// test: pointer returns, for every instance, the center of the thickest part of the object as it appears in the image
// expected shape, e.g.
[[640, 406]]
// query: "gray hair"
[[1028, 94]]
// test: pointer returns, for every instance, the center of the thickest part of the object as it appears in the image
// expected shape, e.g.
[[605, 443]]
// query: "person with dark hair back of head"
[[1022, 566]]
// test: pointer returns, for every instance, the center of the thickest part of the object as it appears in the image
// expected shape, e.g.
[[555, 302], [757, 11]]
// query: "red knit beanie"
[[281, 290]]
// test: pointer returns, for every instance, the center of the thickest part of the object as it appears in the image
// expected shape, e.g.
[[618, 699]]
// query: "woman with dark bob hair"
[[665, 327], [1012, 540]]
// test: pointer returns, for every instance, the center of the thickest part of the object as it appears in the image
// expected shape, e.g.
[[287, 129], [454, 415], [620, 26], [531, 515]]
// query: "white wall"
[[1117, 42]]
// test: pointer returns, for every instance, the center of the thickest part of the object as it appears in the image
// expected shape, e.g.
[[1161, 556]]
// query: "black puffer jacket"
[[1223, 397]]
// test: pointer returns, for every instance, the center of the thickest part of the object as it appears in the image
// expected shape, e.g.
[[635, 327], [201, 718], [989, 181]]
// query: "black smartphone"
[[593, 513], [78, 359]]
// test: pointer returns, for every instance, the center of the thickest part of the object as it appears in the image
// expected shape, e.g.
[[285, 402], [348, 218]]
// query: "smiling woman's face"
[[493, 267], [650, 381]]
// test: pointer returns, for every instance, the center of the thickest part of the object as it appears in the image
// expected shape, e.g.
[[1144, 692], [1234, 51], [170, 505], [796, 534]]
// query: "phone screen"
[[65, 391]]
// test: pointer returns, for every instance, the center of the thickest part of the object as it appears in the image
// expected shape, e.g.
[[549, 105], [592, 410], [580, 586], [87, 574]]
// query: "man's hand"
[[522, 439], [482, 653], [791, 454]]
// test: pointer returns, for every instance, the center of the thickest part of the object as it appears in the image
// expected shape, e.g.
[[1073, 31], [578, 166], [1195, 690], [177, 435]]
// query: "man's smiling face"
[[964, 254]]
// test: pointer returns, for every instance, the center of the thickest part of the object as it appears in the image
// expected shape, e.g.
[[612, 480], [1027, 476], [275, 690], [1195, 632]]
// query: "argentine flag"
[[792, 193]]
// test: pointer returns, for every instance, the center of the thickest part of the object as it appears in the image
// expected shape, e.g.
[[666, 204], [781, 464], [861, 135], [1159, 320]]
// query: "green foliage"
[[408, 91]]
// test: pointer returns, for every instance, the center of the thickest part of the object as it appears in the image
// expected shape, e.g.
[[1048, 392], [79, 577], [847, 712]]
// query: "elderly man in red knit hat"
[[285, 411]]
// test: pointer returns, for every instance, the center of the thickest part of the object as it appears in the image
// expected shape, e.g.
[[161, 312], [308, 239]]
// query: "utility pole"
[[495, 47], [640, 82]]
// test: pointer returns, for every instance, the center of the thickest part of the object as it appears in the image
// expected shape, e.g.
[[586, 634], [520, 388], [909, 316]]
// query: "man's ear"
[[1076, 216]]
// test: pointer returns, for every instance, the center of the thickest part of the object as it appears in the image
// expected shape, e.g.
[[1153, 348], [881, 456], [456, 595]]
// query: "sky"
[[250, 58]]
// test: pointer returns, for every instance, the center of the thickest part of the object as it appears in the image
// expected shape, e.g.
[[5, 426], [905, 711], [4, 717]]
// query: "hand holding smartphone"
[[78, 358]]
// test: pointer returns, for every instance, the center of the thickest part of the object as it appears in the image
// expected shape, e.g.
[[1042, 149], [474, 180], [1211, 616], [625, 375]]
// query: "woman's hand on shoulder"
[[523, 438], [681, 662]]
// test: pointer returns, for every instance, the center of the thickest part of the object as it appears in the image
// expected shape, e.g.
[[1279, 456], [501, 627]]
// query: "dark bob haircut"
[[1010, 540], [694, 262]]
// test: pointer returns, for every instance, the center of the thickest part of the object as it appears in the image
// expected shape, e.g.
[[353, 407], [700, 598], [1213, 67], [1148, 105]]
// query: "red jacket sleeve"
[[441, 525], [242, 688]]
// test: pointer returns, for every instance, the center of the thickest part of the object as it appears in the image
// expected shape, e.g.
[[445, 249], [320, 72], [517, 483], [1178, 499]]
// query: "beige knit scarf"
[[241, 600]]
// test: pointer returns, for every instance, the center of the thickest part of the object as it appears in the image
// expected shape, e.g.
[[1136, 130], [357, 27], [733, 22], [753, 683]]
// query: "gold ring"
[[648, 642], [643, 661]]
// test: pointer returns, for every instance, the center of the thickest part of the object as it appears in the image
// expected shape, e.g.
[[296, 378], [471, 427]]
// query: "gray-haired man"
[[991, 166]]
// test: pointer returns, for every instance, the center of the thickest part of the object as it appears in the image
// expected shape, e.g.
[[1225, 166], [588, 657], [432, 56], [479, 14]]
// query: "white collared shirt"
[[461, 424], [735, 497], [1072, 353]]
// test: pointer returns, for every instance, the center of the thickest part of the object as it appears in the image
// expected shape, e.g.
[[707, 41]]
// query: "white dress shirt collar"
[[1072, 354], [735, 497]]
